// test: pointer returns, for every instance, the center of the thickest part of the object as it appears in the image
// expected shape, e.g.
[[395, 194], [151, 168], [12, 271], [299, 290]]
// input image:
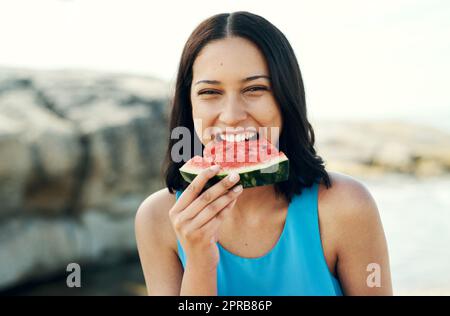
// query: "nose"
[[233, 112]]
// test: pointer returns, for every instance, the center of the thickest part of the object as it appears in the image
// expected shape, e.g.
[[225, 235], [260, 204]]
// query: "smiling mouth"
[[238, 137]]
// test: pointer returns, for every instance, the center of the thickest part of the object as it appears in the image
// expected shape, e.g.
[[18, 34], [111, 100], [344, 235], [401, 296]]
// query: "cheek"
[[267, 114], [203, 120]]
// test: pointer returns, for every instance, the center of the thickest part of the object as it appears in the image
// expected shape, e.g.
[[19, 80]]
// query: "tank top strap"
[[305, 205], [305, 219], [181, 253], [305, 233]]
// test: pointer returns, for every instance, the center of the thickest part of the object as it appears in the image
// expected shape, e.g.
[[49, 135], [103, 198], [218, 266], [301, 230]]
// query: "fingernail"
[[237, 188], [214, 168], [234, 176]]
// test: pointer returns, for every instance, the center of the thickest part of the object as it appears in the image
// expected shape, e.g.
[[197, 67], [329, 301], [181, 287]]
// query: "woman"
[[318, 233]]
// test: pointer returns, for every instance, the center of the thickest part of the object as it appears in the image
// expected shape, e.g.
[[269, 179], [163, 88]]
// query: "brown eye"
[[256, 89], [207, 92]]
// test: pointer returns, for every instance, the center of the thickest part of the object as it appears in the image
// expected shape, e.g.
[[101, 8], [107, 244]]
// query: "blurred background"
[[84, 91]]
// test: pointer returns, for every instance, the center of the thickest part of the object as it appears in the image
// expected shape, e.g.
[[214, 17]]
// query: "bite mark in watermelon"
[[257, 161]]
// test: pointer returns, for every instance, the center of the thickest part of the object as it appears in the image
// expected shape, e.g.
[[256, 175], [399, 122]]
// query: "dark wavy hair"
[[297, 135]]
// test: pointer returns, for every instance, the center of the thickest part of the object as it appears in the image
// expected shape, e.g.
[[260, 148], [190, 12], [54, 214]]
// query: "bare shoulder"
[[353, 235], [156, 244], [347, 212], [153, 217], [347, 196]]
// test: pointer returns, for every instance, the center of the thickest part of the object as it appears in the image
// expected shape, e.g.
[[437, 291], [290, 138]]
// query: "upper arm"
[[362, 252], [155, 238]]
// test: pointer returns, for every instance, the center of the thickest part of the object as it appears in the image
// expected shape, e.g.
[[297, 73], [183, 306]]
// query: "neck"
[[257, 201]]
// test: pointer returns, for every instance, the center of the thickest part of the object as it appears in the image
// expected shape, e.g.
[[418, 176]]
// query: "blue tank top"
[[296, 265]]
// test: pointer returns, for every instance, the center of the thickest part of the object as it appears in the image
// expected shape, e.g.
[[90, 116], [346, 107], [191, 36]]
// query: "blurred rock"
[[33, 248], [79, 151], [371, 148], [50, 155], [15, 165]]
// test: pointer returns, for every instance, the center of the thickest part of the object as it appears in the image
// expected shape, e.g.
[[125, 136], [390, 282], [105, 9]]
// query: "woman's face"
[[231, 91]]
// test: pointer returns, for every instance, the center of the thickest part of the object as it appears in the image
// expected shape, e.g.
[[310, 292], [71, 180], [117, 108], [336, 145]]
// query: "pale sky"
[[359, 59]]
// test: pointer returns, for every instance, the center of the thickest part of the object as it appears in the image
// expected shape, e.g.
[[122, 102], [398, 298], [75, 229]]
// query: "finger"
[[210, 195], [223, 213], [180, 221], [210, 229], [214, 208], [195, 187]]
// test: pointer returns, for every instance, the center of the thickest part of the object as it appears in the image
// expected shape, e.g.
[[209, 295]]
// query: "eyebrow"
[[243, 80]]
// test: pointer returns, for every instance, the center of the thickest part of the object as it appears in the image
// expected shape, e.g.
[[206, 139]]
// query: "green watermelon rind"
[[256, 175]]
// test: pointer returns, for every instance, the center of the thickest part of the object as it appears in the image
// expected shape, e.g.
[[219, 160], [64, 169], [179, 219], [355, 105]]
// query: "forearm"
[[199, 281]]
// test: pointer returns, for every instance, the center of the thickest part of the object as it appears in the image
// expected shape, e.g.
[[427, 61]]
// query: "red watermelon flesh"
[[230, 155], [250, 158]]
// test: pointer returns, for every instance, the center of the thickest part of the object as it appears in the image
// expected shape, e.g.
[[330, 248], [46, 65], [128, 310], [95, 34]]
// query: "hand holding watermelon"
[[196, 216]]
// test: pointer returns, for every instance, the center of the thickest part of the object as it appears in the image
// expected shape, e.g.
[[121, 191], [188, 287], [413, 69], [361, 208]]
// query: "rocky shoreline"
[[80, 150], [374, 148]]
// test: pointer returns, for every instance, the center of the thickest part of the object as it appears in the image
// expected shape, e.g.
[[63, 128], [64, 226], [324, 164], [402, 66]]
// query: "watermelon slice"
[[257, 161]]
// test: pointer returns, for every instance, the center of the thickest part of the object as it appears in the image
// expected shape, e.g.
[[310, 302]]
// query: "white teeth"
[[251, 135], [237, 137]]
